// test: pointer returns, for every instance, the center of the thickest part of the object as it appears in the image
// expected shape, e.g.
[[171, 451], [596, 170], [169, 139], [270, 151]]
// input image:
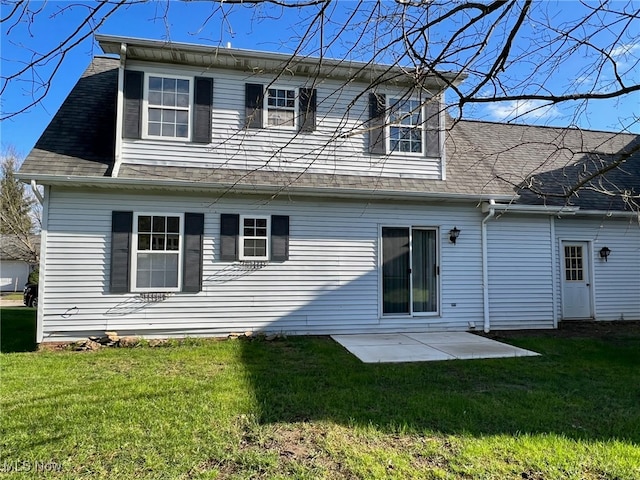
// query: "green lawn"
[[12, 296], [305, 408]]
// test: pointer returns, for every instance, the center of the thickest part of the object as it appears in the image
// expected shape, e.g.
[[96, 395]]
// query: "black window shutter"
[[432, 112], [253, 101], [279, 238], [192, 264], [229, 230], [377, 140], [132, 124], [307, 109], [203, 100], [120, 272]]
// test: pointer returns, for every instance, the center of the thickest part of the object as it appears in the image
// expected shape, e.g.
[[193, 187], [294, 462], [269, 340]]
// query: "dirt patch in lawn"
[[574, 329]]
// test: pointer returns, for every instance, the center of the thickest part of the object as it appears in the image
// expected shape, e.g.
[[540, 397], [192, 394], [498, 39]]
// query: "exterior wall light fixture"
[[454, 233], [604, 253]]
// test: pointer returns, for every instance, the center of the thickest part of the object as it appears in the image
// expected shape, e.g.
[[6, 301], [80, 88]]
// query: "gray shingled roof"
[[81, 136], [538, 163], [14, 247]]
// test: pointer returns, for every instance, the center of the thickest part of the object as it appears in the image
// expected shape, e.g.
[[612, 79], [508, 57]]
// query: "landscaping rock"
[[113, 336], [106, 341], [128, 342], [87, 345]]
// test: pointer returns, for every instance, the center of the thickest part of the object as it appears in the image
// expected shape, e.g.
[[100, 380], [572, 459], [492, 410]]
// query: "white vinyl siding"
[[330, 283], [616, 282], [520, 272], [13, 275], [338, 145]]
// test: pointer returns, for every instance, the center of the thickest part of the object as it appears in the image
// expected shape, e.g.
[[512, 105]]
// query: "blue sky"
[[273, 28]]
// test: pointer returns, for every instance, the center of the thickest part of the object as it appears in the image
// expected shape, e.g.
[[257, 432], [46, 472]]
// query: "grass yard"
[[12, 296], [305, 408]]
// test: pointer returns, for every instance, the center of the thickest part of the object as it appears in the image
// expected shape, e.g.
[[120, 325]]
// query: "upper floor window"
[[405, 126], [276, 107], [281, 107], [168, 107]]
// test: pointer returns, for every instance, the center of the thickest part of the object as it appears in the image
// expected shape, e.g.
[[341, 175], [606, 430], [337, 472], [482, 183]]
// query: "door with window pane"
[[409, 271], [576, 284]]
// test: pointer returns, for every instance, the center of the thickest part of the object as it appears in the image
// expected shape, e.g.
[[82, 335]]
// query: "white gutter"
[[119, 111], [558, 210], [545, 209], [614, 213], [485, 266]]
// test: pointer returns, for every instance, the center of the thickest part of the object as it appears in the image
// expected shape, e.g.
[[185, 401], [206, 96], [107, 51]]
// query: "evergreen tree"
[[16, 222]]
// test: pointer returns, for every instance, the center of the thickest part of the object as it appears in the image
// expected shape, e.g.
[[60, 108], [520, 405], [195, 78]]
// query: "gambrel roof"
[[529, 164]]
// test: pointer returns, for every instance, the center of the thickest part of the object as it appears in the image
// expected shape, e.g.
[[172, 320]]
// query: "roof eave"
[[262, 62], [271, 190]]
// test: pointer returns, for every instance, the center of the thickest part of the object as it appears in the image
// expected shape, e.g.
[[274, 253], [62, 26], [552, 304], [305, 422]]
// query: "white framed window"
[[157, 252], [406, 126], [281, 105], [254, 238], [167, 107]]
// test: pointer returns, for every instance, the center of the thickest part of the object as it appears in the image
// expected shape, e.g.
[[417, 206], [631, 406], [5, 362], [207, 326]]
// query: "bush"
[[34, 276]]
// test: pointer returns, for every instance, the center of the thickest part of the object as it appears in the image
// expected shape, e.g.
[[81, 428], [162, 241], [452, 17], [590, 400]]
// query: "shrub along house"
[[192, 190]]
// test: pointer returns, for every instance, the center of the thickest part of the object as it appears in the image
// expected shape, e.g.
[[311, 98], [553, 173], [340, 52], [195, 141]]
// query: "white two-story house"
[[200, 191]]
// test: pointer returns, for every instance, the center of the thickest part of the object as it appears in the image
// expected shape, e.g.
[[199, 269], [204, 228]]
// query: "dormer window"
[[158, 106], [405, 126], [281, 107], [276, 107], [168, 106]]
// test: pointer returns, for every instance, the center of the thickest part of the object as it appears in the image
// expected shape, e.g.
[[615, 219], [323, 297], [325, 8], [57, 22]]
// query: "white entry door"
[[576, 281]]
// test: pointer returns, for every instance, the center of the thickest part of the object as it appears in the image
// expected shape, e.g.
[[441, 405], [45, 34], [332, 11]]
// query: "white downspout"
[[485, 267], [36, 192], [117, 161]]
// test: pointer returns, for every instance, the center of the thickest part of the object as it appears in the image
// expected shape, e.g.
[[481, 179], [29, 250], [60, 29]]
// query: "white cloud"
[[625, 49], [522, 110]]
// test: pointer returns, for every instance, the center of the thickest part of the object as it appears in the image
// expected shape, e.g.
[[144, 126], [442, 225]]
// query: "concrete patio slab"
[[398, 353], [426, 347], [447, 338], [381, 339], [491, 349]]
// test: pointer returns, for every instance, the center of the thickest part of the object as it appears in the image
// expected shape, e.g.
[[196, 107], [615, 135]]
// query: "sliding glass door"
[[409, 271]]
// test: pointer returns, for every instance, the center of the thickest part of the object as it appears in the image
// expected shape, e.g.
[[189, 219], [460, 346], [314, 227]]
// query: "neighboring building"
[[192, 190], [17, 261]]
